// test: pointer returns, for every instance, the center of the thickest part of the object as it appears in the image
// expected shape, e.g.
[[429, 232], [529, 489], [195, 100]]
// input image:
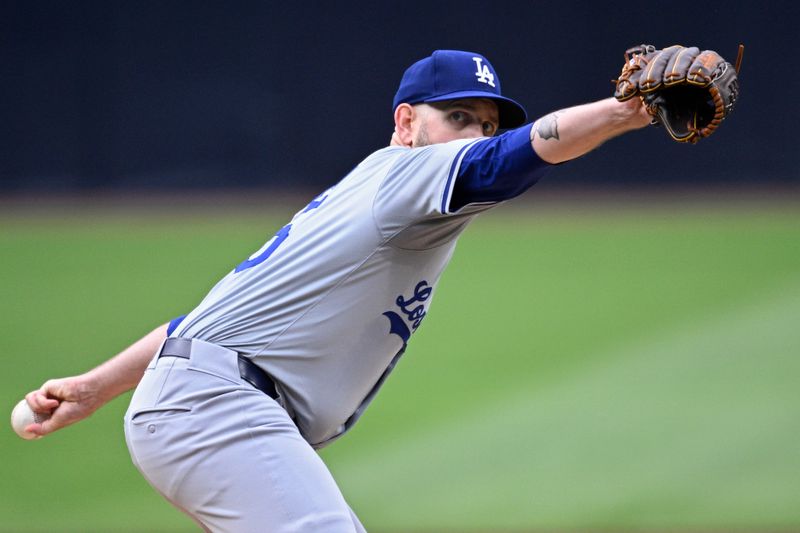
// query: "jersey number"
[[271, 245], [266, 250]]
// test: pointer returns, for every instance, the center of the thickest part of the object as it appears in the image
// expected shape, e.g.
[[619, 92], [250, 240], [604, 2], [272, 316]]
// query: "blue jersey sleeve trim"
[[173, 324], [497, 169], [448, 185]]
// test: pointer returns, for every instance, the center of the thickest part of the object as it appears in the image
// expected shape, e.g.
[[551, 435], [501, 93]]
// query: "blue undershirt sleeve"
[[174, 323], [497, 169]]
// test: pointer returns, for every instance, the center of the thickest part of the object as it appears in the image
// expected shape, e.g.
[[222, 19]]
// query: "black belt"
[[250, 372]]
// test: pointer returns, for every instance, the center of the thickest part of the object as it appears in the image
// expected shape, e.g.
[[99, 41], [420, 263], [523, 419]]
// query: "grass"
[[604, 368]]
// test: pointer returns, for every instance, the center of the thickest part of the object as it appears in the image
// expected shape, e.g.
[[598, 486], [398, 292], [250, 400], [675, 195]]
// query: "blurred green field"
[[627, 367]]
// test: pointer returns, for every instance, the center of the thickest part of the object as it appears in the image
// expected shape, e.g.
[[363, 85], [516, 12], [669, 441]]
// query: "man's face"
[[470, 118]]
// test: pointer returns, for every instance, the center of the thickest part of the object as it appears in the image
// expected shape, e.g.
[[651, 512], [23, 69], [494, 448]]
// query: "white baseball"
[[22, 416]]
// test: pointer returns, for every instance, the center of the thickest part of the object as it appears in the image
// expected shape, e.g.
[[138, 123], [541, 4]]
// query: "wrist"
[[631, 114], [92, 390], [104, 383]]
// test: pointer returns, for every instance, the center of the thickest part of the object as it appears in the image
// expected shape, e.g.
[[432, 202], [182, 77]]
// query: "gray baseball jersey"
[[328, 305]]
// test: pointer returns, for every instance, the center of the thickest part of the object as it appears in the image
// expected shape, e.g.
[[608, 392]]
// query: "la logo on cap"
[[483, 73], [456, 75]]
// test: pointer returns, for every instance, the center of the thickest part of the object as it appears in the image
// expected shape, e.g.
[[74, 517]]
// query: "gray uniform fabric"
[[326, 308], [225, 453], [313, 314]]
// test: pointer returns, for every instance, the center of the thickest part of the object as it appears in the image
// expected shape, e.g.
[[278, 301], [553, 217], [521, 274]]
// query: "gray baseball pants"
[[227, 454]]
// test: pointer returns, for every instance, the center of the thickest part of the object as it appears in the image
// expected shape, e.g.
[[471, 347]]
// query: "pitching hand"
[[69, 400]]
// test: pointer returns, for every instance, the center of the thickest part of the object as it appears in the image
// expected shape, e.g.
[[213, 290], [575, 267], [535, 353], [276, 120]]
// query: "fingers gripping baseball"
[[66, 400]]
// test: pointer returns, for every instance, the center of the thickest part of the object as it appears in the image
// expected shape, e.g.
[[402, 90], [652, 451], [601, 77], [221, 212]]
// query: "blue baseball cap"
[[454, 74]]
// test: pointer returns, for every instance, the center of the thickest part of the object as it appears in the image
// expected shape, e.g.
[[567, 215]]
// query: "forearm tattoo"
[[547, 127]]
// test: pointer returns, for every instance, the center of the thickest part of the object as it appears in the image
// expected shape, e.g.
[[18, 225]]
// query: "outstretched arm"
[[508, 164], [75, 398], [572, 132]]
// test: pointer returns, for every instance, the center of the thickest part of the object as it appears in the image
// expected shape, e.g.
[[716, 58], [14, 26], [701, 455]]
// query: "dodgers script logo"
[[483, 73], [413, 309]]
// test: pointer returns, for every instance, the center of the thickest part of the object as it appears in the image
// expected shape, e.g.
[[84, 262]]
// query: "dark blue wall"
[[104, 94]]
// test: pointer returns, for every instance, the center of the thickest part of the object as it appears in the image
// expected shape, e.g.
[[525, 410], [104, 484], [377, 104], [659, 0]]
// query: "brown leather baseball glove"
[[688, 91]]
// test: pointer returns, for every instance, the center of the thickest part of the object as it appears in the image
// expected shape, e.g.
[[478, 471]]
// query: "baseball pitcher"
[[286, 352]]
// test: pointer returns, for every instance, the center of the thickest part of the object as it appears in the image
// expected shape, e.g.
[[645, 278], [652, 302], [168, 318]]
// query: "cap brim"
[[512, 114]]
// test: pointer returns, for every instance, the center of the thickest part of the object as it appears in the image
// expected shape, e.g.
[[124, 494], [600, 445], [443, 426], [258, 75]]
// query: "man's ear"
[[403, 117]]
